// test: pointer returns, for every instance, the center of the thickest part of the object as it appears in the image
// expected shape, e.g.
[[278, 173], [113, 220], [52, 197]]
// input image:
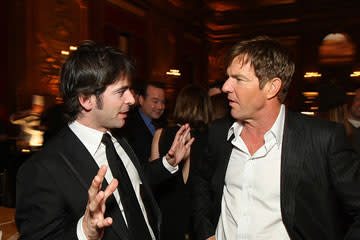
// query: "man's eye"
[[121, 92]]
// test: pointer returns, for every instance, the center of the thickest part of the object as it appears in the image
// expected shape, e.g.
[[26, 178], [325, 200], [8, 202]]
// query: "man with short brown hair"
[[273, 174]]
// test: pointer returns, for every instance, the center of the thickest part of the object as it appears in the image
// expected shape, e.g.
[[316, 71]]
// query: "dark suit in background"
[[355, 138], [138, 135], [320, 179]]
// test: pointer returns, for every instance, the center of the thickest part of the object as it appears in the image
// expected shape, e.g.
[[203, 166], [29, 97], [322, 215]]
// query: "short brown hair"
[[193, 106], [269, 60]]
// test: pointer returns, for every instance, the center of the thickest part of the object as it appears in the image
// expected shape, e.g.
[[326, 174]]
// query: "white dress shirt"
[[91, 139], [250, 206], [354, 122]]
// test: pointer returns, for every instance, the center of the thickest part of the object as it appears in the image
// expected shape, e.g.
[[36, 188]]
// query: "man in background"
[[142, 122]]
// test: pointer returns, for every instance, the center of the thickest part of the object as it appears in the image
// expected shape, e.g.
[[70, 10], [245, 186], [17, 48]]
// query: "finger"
[[94, 188], [177, 139], [180, 132], [186, 134], [188, 144], [105, 222], [95, 203], [96, 183], [110, 188], [102, 171]]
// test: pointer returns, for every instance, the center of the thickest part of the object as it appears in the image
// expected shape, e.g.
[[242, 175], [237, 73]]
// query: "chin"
[[119, 124]]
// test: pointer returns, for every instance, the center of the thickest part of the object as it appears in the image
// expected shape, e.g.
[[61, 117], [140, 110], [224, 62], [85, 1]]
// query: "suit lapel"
[[131, 155], [219, 176], [291, 166], [86, 167], [224, 157]]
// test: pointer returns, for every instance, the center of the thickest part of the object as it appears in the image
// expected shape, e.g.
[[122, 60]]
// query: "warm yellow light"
[[310, 94], [73, 48], [312, 74], [50, 59], [350, 93], [355, 74], [309, 101], [63, 52], [308, 113], [314, 108], [174, 72], [25, 150]]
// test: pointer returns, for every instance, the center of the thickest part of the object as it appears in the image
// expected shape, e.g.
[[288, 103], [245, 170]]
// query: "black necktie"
[[138, 229]]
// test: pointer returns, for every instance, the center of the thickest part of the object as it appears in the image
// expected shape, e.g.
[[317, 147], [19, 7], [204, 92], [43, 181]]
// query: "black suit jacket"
[[320, 180], [138, 135], [52, 191], [355, 138]]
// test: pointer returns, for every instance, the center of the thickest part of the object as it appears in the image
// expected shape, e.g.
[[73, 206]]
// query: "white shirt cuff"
[[79, 230], [170, 168]]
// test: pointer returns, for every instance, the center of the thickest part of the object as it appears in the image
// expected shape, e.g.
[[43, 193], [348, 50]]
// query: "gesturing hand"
[[93, 221], [180, 148]]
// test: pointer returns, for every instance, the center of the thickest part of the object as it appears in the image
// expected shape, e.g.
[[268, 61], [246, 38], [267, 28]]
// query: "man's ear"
[[87, 102], [141, 100], [273, 87]]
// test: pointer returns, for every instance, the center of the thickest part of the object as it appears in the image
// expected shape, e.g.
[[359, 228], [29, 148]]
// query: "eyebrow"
[[123, 88], [238, 76], [156, 98]]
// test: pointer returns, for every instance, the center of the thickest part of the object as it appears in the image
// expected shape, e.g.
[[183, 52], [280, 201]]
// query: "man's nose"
[[227, 86], [129, 97], [161, 106]]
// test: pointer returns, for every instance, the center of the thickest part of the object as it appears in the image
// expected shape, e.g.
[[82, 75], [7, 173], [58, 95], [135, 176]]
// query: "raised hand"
[[93, 222], [180, 148]]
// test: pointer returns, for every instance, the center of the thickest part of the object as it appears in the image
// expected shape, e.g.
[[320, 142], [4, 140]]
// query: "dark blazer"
[[52, 191], [138, 135], [320, 179], [355, 138]]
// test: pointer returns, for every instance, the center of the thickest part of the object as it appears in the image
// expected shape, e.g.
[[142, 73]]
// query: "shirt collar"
[[354, 122], [91, 138], [276, 130], [146, 119]]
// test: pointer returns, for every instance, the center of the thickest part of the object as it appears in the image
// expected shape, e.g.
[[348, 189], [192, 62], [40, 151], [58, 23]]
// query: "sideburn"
[[99, 102]]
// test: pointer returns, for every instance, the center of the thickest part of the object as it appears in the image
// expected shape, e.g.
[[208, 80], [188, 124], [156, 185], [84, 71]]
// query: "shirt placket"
[[246, 195]]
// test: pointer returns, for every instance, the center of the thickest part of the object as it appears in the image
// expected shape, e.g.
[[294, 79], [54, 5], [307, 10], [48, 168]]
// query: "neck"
[[254, 130], [264, 120], [88, 123]]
